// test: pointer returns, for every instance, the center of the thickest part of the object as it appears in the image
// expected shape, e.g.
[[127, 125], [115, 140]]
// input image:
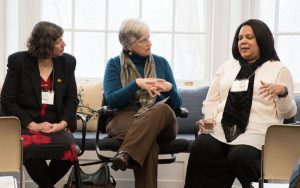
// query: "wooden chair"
[[11, 155], [279, 153]]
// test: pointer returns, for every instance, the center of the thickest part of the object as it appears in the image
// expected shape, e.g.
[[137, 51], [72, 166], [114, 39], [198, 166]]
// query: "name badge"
[[48, 97], [239, 85]]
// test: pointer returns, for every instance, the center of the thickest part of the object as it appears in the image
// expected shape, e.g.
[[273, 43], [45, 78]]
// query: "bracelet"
[[64, 123], [285, 93]]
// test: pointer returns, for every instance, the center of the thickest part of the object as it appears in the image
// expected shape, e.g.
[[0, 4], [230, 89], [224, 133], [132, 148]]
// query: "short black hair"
[[42, 39], [264, 39]]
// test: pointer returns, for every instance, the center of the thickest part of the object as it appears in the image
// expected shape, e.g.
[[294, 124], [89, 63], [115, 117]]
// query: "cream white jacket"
[[264, 112]]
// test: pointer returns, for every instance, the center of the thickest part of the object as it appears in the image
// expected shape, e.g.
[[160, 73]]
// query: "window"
[[2, 58], [179, 32], [281, 16]]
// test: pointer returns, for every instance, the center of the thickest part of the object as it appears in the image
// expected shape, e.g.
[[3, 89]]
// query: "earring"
[[130, 53]]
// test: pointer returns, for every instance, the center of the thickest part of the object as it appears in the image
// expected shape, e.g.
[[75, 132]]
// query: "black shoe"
[[121, 161]]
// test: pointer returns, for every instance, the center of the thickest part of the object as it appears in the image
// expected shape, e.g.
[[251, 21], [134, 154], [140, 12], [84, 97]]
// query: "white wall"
[[2, 59], [16, 21], [227, 15], [11, 26]]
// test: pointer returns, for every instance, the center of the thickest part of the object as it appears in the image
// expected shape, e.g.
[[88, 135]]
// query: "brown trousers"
[[140, 135]]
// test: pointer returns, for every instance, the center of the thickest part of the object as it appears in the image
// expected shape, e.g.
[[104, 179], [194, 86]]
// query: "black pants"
[[213, 164], [46, 176]]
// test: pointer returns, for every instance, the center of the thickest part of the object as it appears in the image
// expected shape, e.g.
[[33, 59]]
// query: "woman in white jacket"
[[246, 96]]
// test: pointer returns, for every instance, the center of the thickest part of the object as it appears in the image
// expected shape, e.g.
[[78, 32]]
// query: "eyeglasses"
[[144, 40]]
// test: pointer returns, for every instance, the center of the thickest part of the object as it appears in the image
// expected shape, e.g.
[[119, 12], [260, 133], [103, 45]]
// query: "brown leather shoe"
[[121, 161]]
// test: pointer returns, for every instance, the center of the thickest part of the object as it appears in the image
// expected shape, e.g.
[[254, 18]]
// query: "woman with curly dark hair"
[[40, 89]]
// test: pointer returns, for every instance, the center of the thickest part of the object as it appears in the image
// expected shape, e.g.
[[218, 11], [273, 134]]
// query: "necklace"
[[45, 64]]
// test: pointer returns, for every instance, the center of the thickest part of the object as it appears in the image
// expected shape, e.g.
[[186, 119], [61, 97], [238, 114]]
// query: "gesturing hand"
[[270, 90]]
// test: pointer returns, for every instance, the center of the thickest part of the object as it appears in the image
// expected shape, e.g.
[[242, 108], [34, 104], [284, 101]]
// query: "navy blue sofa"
[[192, 100]]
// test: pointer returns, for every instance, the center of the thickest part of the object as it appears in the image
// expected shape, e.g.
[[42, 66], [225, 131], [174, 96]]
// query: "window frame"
[[276, 33], [173, 32]]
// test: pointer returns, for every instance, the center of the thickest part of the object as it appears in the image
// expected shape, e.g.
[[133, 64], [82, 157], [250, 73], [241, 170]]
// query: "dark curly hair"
[[264, 39], [42, 39]]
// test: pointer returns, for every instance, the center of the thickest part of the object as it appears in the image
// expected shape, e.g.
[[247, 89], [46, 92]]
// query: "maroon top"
[[46, 86]]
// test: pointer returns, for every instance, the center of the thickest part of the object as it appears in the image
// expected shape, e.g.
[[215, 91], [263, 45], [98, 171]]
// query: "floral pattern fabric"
[[58, 145]]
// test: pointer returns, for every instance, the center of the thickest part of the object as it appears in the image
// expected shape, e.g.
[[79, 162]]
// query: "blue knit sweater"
[[118, 97]]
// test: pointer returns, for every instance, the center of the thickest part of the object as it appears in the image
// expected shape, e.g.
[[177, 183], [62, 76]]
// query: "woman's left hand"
[[270, 90], [163, 85], [154, 86], [54, 127], [159, 86]]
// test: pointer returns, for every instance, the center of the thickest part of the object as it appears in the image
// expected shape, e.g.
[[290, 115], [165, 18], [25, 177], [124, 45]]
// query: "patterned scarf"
[[129, 72], [238, 104]]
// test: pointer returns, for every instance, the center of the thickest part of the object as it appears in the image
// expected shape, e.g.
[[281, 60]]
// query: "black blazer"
[[21, 92]]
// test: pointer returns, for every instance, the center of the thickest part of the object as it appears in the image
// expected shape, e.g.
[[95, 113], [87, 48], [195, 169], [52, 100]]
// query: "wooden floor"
[[169, 175]]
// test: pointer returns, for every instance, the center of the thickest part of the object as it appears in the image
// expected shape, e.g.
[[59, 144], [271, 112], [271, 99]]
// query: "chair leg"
[[261, 183], [22, 179], [77, 175]]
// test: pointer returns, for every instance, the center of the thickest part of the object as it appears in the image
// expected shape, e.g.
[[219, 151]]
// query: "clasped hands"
[[270, 90], [154, 86], [46, 127]]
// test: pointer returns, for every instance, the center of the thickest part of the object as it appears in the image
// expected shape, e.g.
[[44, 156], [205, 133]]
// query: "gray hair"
[[130, 31]]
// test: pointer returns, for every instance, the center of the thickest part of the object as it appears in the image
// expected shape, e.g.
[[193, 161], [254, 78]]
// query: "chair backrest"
[[280, 152], [10, 145]]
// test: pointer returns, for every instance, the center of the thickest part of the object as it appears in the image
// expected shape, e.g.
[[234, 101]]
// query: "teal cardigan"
[[118, 97]]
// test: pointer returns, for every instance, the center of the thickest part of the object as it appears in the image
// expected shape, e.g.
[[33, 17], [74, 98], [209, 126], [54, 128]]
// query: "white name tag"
[[239, 85], [48, 97]]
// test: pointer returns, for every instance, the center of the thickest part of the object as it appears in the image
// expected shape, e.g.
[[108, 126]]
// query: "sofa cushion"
[[192, 100], [90, 99], [297, 116]]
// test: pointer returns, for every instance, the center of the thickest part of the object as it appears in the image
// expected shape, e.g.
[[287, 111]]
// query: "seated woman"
[[246, 96], [134, 82], [40, 89]]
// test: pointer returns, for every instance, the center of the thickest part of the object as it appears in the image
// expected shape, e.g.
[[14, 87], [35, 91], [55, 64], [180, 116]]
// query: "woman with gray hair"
[[134, 82]]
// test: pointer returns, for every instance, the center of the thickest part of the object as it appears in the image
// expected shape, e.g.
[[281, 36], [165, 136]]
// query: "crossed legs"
[[140, 135]]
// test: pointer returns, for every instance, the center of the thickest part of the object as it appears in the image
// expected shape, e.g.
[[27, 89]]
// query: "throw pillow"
[[90, 99]]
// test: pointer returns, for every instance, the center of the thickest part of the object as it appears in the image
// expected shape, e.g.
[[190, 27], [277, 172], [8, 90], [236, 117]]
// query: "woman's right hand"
[[201, 125]]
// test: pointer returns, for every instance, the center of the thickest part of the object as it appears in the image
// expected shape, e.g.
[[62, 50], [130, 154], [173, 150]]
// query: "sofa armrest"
[[182, 112], [105, 111]]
